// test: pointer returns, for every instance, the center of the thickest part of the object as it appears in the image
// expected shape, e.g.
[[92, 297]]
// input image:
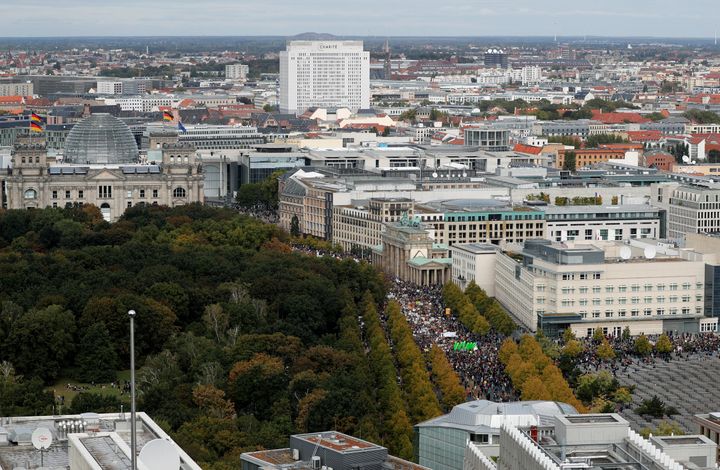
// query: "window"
[[596, 314], [596, 290], [567, 290], [608, 301], [105, 192], [686, 286], [142, 193], [699, 285], [179, 192], [596, 275], [648, 287], [155, 193], [634, 312], [540, 288], [67, 194], [54, 194], [635, 300], [698, 298], [583, 290], [686, 310], [648, 300], [609, 289], [540, 301], [674, 286], [660, 311], [660, 287], [583, 302], [622, 288], [635, 288], [596, 301], [673, 299], [81, 194], [660, 300], [647, 311], [673, 311], [30, 194], [622, 300], [608, 313], [583, 276], [686, 298], [129, 193]]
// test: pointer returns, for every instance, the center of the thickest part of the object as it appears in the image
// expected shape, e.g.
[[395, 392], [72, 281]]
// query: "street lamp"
[[133, 432]]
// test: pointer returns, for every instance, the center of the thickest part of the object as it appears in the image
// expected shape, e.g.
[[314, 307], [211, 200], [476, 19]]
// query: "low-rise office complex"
[[591, 441], [604, 285]]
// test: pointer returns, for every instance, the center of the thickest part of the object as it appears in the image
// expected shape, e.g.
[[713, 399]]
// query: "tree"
[[598, 335], [572, 349], [97, 359], [295, 226], [268, 108], [569, 161], [626, 333], [664, 345], [655, 407], [643, 345], [41, 342], [605, 351]]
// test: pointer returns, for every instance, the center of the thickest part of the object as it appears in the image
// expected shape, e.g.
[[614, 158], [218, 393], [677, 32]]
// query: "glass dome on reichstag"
[[100, 139]]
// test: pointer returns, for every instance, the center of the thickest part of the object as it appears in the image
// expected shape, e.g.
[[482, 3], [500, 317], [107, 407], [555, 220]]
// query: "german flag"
[[36, 118], [167, 116], [35, 127]]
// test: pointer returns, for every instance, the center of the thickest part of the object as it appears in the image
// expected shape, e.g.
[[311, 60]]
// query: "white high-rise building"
[[236, 71], [325, 74]]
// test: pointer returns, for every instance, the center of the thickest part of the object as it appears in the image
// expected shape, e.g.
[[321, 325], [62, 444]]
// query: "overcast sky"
[[661, 18]]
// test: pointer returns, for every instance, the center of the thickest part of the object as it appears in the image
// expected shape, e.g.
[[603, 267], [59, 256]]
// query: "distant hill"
[[314, 37]]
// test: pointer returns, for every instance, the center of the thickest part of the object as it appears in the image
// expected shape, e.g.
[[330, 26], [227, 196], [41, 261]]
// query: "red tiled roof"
[[618, 118], [644, 136], [531, 149]]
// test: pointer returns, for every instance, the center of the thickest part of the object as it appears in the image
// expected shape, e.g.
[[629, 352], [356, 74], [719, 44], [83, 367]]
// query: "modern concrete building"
[[441, 441], [13, 88], [577, 223], [591, 441], [709, 426], [474, 262], [236, 71], [481, 221], [693, 209], [646, 287], [326, 450], [102, 166], [324, 74], [86, 441]]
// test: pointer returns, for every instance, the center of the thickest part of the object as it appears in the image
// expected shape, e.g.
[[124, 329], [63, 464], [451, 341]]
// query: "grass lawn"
[[60, 388]]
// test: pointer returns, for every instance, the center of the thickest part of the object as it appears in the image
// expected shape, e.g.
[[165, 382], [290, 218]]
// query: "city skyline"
[[374, 18]]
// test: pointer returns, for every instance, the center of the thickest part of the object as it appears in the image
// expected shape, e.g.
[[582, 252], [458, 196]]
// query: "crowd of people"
[[259, 211], [480, 370]]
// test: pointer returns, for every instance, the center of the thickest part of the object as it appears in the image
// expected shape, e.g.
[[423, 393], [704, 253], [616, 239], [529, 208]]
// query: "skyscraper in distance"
[[324, 74]]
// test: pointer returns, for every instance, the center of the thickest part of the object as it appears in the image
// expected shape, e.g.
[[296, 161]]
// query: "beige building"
[[474, 262], [362, 224], [709, 426], [604, 285], [409, 254], [102, 167]]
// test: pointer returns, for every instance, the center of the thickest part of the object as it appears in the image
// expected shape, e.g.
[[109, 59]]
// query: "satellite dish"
[[625, 252], [434, 175], [464, 175], [686, 159], [160, 454], [693, 162], [42, 438], [650, 252]]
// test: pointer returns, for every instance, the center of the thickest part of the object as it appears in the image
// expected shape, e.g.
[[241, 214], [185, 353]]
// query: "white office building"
[[576, 223], [642, 285], [324, 74], [236, 71]]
